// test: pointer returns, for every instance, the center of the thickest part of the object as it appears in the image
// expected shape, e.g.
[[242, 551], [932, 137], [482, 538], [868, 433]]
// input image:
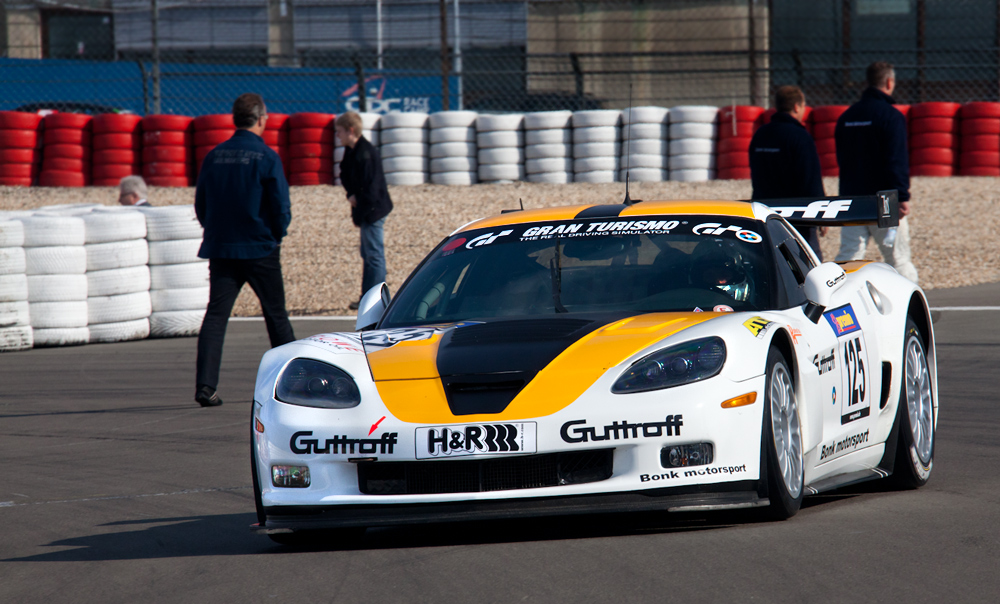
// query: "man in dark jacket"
[[873, 156], [242, 202], [783, 158], [364, 181]]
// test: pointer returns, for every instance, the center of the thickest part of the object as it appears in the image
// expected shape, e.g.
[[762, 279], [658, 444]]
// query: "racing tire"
[[118, 309], [824, 130], [119, 332], [105, 123], [369, 120], [979, 142], [701, 130], [188, 298], [932, 155], [19, 120], [166, 122], [452, 164], [116, 140], [165, 153], [978, 171], [115, 156], [979, 126], [164, 138], [979, 109], [18, 139], [653, 131], [60, 336], [498, 138], [733, 174], [643, 160], [592, 164], [980, 159], [219, 121], [204, 138], [547, 120], [549, 136], [452, 119], [932, 170], [493, 123], [827, 113], [119, 254], [684, 146], [548, 151], [25, 170], [945, 140], [595, 134], [500, 155], [55, 260], [782, 440], [734, 159], [645, 115], [404, 150], [403, 120], [310, 150], [41, 231], [932, 124], [14, 314], [109, 224], [309, 120], [922, 110], [310, 164], [744, 113], [18, 156], [166, 223], [915, 415], [165, 168], [13, 260], [11, 233], [646, 146], [826, 145], [175, 323], [13, 288], [407, 164], [405, 135], [693, 113], [66, 136], [596, 150], [116, 281], [596, 117], [58, 315], [67, 120], [178, 276], [61, 178]]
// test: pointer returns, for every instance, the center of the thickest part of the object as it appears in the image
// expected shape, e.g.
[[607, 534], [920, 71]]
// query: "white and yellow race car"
[[678, 355]]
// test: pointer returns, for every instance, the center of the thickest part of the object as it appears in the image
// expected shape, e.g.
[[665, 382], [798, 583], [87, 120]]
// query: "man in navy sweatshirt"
[[873, 156], [783, 158], [242, 203]]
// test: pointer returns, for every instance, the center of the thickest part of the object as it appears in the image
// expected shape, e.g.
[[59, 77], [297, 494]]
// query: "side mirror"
[[372, 305], [821, 283]]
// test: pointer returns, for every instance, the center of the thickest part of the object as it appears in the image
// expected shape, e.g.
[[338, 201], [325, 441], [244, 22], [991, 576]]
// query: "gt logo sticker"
[[715, 229], [843, 320], [757, 325], [486, 239], [475, 439]]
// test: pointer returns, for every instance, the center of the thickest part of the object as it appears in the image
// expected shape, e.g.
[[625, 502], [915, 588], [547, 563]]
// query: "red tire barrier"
[[166, 122], [16, 171], [737, 159], [978, 171], [17, 156], [980, 110], [744, 113], [310, 120], [61, 178], [276, 121], [163, 168], [107, 123], [932, 124], [904, 109], [930, 110], [115, 156], [828, 160], [115, 140], [70, 151], [979, 126], [78, 121], [734, 174], [980, 142], [18, 139], [932, 155], [934, 139], [743, 130], [310, 178], [733, 145], [310, 150], [65, 164], [980, 159], [931, 170], [19, 120], [824, 130], [311, 164], [826, 145], [167, 137], [105, 182], [212, 137], [218, 121], [827, 113], [119, 171], [66, 136], [311, 135], [13, 181], [165, 153]]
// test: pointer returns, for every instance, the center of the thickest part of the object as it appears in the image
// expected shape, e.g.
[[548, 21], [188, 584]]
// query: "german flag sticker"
[[757, 325]]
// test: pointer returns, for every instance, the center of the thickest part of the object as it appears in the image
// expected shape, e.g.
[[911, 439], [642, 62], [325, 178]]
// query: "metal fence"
[[490, 55]]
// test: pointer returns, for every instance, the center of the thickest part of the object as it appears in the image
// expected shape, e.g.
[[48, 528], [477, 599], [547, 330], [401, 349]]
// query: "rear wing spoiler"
[[881, 208]]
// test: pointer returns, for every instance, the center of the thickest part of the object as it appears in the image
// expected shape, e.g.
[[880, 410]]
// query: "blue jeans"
[[373, 255]]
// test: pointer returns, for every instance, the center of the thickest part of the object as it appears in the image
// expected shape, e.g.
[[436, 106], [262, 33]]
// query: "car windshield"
[[641, 264]]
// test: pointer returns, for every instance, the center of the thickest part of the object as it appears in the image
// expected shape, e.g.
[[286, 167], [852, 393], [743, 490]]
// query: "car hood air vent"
[[528, 330]]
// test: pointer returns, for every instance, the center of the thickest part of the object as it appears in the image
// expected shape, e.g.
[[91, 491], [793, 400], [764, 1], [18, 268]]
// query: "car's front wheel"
[[782, 439], [915, 416]]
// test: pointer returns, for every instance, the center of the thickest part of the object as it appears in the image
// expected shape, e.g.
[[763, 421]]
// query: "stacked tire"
[[596, 145], [20, 153], [404, 148], [276, 137], [453, 148], [692, 132], [178, 277], [824, 124], [934, 141], [980, 139], [167, 158], [56, 266], [117, 148], [737, 124], [644, 144], [548, 147], [15, 324], [310, 149], [500, 144], [118, 302], [66, 150], [209, 131]]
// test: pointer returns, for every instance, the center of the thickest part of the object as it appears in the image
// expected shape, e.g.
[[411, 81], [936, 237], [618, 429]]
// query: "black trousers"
[[226, 279]]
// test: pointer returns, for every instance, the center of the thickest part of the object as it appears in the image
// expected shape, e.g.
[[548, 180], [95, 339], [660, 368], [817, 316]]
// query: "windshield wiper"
[[555, 269]]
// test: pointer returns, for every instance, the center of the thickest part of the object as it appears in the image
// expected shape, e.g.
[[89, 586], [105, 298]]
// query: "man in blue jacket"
[[873, 156], [783, 158], [242, 202]]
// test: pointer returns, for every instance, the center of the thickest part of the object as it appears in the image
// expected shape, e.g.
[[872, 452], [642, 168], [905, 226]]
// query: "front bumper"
[[729, 495]]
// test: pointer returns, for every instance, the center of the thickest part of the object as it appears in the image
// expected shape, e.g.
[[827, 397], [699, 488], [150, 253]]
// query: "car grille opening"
[[477, 476]]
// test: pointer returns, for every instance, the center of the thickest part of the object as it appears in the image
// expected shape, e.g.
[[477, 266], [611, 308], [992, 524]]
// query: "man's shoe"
[[207, 397], [354, 305]]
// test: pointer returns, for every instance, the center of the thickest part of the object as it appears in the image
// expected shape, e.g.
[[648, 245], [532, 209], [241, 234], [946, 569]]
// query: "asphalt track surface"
[[116, 487]]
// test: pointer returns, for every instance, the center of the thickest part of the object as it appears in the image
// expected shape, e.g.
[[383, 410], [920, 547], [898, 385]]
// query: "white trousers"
[[854, 242]]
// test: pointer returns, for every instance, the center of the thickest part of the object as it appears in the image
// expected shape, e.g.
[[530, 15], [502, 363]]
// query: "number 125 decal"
[[855, 402]]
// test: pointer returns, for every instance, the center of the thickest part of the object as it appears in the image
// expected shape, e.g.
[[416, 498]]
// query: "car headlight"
[[316, 384], [682, 364]]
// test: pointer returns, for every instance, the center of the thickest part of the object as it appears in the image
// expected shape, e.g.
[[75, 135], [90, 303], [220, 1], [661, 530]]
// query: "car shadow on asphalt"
[[230, 534]]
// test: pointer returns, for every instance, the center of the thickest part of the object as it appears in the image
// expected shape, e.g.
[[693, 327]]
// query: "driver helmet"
[[718, 265]]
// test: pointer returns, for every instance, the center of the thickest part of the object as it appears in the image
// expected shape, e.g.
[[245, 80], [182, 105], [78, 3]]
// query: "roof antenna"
[[628, 140], [521, 201]]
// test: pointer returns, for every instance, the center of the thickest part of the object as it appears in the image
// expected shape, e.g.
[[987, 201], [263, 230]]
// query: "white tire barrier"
[[14, 314], [452, 150], [453, 164], [171, 222], [406, 178], [646, 146], [191, 298], [52, 315], [42, 230], [11, 233], [118, 254], [118, 281], [493, 123], [495, 172], [178, 251], [453, 119], [692, 162], [548, 120], [693, 113], [12, 260], [57, 288], [634, 132], [13, 288], [555, 136], [113, 224], [685, 146], [407, 163], [403, 120], [66, 336], [404, 135], [453, 135], [403, 150], [175, 323], [16, 338], [500, 138], [643, 160], [178, 276], [597, 134], [501, 155], [645, 115], [116, 309], [693, 130], [119, 332], [596, 150], [548, 164], [454, 178], [596, 117], [592, 164], [553, 150], [55, 260]]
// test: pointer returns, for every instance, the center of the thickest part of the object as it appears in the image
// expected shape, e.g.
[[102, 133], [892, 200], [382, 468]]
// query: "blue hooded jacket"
[[872, 148], [242, 199]]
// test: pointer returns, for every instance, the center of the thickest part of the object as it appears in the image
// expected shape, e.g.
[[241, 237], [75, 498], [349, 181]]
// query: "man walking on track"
[[783, 158], [242, 202], [873, 156]]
